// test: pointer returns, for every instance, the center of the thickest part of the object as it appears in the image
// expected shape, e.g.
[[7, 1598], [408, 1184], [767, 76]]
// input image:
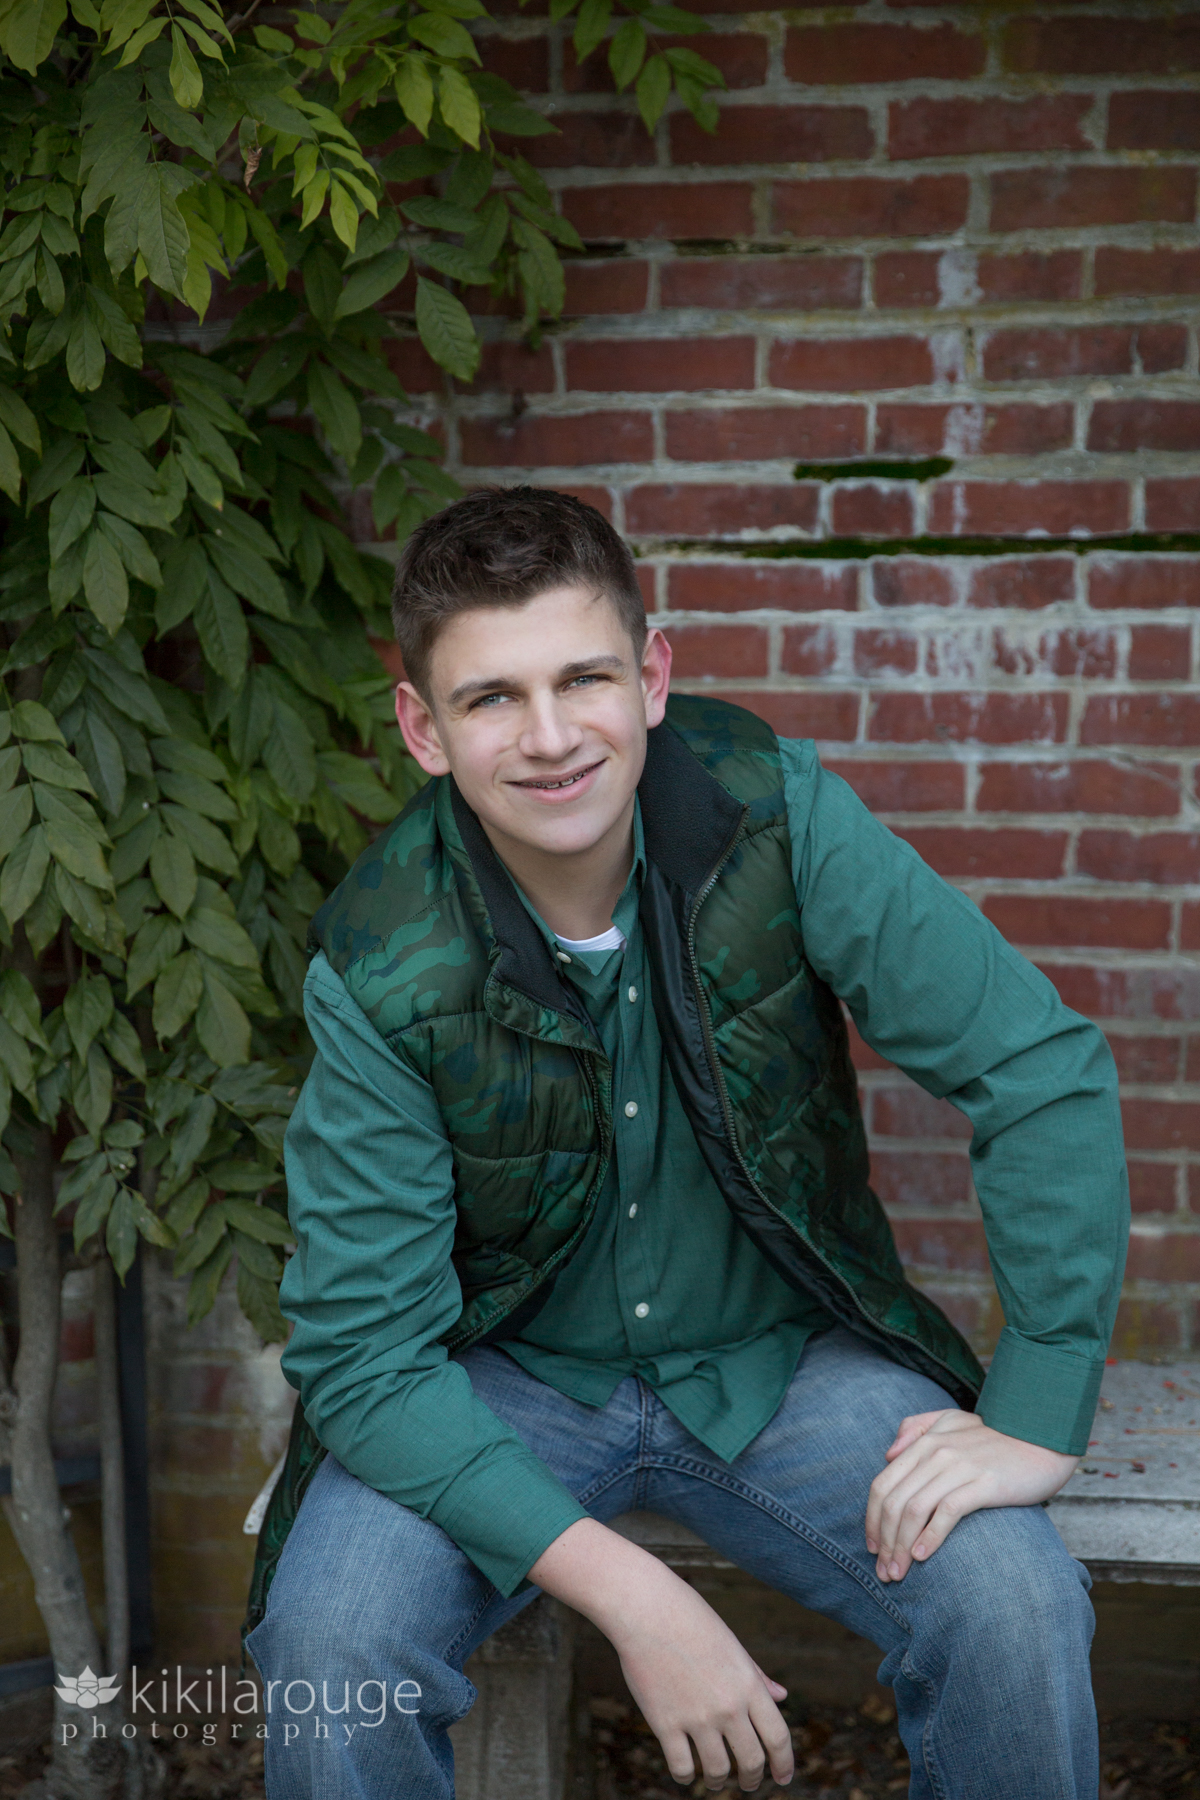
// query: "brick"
[[852, 54], [1145, 425], [994, 718], [965, 127], [1162, 857], [741, 57], [1173, 505], [758, 283], [871, 510], [869, 206], [1091, 655], [828, 717], [648, 583], [1189, 926], [749, 433], [1018, 428], [1171, 1256], [695, 209], [742, 586], [1146, 1058], [525, 62], [1017, 508], [1192, 1063], [1144, 1325], [1142, 718], [907, 278], [1102, 46], [659, 365], [1164, 270], [727, 651], [606, 287], [547, 441], [909, 1112], [851, 365], [895, 786], [413, 367], [957, 1244], [809, 650], [515, 368], [1073, 919], [861, 1053], [885, 653], [1153, 119], [1043, 199], [1147, 993], [775, 134], [911, 581], [582, 140], [1040, 354], [1144, 581], [1031, 275], [1162, 347], [921, 1178], [1000, 854], [1160, 653], [1027, 582], [719, 509]]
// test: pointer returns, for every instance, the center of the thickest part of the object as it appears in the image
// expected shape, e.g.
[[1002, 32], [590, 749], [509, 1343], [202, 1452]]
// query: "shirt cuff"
[[504, 1517], [1044, 1395]]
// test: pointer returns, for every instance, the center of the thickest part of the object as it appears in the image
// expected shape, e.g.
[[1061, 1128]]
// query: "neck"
[[574, 893]]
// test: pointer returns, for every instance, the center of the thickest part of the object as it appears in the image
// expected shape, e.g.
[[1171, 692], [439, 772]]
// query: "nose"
[[548, 734]]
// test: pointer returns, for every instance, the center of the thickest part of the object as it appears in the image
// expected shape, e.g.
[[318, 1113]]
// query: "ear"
[[656, 677], [419, 728]]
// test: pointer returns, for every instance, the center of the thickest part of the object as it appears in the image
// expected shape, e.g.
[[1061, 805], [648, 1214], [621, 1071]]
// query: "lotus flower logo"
[[88, 1689]]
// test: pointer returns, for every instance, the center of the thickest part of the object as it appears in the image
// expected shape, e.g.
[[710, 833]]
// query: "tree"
[[195, 735]]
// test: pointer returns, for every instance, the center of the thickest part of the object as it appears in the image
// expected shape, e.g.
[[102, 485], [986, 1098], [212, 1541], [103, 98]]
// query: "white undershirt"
[[612, 939]]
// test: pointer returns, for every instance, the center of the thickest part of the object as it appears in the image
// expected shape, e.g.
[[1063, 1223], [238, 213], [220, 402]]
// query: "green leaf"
[[445, 329], [45, 915], [221, 628], [177, 995], [129, 693], [105, 584], [115, 330], [173, 872], [28, 30], [87, 1009], [121, 1042], [184, 575], [251, 575], [354, 781], [70, 514], [15, 1058], [220, 937], [10, 467], [100, 754], [60, 462], [514, 119], [92, 1094], [120, 1238], [371, 281], [85, 354], [343, 214], [653, 90], [132, 548], [23, 874], [51, 291], [201, 475], [335, 409], [197, 792], [154, 946], [206, 1282], [443, 35], [50, 762], [187, 83], [414, 91], [221, 1024], [162, 234], [460, 105], [89, 1170], [93, 1210], [260, 1222], [83, 905], [207, 844], [76, 849], [186, 1208], [20, 421], [258, 1297], [626, 52], [591, 26], [31, 720], [16, 810]]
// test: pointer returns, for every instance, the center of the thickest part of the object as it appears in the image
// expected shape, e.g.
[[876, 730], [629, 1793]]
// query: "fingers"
[[908, 1514], [910, 1429], [911, 1442], [776, 1690], [776, 1740], [677, 1753]]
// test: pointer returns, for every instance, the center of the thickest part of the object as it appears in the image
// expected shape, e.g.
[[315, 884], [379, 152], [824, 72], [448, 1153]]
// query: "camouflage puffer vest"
[[429, 936]]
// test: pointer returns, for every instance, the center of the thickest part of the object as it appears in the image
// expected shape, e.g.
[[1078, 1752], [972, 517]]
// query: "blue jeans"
[[985, 1645]]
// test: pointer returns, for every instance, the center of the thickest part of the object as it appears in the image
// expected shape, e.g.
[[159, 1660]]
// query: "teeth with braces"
[[570, 782]]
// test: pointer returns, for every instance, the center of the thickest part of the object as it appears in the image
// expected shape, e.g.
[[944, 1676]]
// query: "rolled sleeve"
[[934, 988], [371, 1288]]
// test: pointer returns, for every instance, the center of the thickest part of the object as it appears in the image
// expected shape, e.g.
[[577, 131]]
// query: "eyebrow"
[[471, 690]]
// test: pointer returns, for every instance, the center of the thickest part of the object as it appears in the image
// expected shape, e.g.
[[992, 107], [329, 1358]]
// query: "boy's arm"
[[934, 988], [371, 1288]]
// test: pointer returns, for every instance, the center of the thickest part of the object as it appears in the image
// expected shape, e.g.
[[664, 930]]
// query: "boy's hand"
[[685, 1668], [942, 1466]]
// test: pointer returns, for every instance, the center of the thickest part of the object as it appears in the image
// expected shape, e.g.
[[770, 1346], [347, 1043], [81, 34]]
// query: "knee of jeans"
[[1017, 1583]]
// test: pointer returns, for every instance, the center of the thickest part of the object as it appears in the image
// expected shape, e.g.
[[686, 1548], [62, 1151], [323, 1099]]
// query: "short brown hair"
[[501, 547]]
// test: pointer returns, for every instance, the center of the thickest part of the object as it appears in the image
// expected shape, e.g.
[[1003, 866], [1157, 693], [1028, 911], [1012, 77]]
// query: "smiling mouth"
[[562, 781]]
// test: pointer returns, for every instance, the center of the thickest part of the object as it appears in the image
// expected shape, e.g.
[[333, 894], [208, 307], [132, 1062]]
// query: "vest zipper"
[[714, 1060]]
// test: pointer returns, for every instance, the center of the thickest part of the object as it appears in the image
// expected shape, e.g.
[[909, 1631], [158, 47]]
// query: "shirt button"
[[631, 1109], [640, 1310], [562, 956], [633, 993], [633, 1210]]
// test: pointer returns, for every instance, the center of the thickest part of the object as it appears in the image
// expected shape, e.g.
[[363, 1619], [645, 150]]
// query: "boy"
[[579, 1185]]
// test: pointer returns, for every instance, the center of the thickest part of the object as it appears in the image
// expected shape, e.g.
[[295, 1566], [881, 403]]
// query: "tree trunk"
[[84, 1766], [112, 1468]]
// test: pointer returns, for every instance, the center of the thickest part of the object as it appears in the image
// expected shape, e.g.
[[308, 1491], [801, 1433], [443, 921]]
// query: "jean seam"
[[457, 1643], [765, 1503], [603, 1482], [913, 1674]]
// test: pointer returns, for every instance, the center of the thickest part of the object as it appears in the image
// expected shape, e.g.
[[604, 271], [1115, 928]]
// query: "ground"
[[851, 1755]]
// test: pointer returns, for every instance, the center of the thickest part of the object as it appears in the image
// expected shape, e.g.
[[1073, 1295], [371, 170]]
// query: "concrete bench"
[[1131, 1513]]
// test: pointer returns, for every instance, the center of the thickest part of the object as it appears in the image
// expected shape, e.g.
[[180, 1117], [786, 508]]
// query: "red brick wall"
[[966, 233]]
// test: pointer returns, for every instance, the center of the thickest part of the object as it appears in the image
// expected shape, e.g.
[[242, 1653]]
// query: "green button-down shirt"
[[930, 984]]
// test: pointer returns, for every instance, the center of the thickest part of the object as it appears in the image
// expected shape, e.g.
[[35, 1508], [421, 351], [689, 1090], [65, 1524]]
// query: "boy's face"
[[541, 712]]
